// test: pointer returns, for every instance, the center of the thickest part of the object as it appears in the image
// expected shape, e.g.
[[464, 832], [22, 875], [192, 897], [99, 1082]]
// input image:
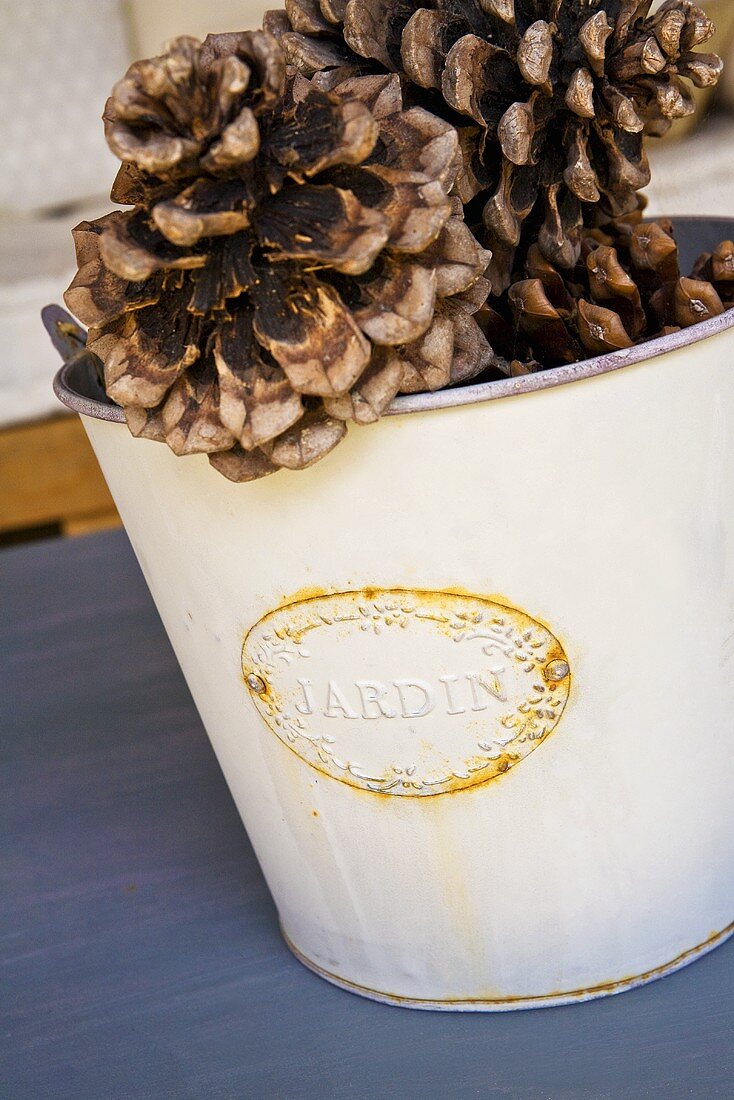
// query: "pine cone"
[[292, 260], [560, 94], [625, 289]]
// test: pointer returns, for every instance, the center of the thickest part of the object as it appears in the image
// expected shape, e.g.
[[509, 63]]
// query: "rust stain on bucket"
[[406, 692]]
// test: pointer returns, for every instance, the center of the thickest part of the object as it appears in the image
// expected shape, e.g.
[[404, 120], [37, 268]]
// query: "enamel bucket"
[[471, 678]]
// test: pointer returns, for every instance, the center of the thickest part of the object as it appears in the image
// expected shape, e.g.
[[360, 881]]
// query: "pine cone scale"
[[334, 228], [416, 208], [427, 362], [399, 306], [190, 216], [98, 297], [307, 442], [134, 251], [241, 466], [310, 332], [427, 38], [257, 402], [306, 17], [190, 418], [319, 133], [370, 397], [594, 35]]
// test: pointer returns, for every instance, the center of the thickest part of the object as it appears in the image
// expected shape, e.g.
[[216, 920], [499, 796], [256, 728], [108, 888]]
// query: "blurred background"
[[58, 61]]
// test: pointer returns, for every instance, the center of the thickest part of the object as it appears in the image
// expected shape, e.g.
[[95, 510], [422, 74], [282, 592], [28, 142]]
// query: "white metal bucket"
[[471, 678]]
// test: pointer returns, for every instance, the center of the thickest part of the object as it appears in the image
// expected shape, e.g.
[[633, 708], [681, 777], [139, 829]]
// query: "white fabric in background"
[[37, 263], [58, 62], [29, 361], [154, 22], [695, 175]]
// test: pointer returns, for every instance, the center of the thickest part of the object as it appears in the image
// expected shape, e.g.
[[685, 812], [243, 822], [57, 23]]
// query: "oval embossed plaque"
[[406, 692]]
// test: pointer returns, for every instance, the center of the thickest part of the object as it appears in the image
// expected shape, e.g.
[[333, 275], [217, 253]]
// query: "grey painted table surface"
[[139, 949]]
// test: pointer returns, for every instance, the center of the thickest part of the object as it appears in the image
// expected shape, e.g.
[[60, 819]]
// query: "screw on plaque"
[[556, 671]]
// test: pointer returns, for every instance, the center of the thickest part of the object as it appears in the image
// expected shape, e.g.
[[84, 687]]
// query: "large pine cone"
[[560, 94], [626, 288], [292, 260]]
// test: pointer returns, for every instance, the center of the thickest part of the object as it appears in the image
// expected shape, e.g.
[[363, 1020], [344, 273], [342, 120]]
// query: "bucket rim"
[[77, 374]]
